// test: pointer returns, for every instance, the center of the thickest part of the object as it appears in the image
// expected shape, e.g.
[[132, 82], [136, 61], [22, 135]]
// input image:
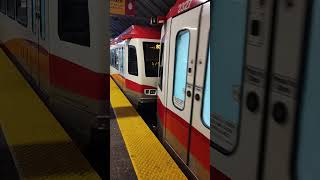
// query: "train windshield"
[[151, 58]]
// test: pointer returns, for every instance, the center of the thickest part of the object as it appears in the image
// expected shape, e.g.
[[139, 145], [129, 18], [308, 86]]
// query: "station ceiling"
[[144, 10]]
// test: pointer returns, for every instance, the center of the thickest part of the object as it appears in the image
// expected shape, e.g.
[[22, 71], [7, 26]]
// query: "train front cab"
[[265, 108], [134, 64], [183, 104]]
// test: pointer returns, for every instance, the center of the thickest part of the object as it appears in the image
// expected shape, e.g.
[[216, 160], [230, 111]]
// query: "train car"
[[183, 103], [134, 63], [60, 48], [265, 121]]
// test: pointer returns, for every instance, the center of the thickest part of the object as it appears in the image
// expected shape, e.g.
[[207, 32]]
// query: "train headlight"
[[150, 92]]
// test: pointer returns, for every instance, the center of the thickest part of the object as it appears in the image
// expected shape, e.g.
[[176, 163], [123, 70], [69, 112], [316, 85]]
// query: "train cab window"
[[180, 69], [151, 58], [132, 61], [161, 65], [22, 13], [73, 21], [3, 6], [11, 8], [206, 96]]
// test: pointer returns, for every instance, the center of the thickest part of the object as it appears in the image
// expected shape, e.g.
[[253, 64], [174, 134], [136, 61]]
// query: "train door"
[[292, 143], [40, 69], [181, 73], [199, 152], [241, 47]]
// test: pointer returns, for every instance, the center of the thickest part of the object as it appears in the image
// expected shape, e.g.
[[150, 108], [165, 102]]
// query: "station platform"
[[142, 156], [32, 142]]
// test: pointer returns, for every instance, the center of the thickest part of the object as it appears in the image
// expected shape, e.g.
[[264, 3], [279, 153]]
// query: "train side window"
[[73, 22], [112, 58], [22, 12], [33, 8], [11, 8], [180, 69], [161, 65], [117, 58], [206, 96], [3, 6], [43, 19], [121, 60], [132, 61]]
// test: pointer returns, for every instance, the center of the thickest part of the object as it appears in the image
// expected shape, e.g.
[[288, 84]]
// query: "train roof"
[[136, 31], [184, 5]]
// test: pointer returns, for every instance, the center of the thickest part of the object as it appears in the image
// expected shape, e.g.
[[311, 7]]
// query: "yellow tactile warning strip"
[[149, 158], [40, 147]]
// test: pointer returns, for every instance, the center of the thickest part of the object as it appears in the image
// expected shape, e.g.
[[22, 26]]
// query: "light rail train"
[[134, 63]]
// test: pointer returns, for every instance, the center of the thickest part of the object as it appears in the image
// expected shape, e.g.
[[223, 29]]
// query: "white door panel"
[[182, 60]]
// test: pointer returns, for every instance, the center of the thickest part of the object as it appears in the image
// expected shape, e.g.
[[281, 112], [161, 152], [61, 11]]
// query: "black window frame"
[[3, 7], [135, 73], [66, 31], [19, 20], [13, 15]]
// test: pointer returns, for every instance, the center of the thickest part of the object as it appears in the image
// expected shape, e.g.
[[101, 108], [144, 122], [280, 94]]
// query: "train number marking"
[[184, 6]]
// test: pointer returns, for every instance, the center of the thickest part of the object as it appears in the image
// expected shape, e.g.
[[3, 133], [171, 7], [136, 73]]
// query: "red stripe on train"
[[137, 87], [77, 79], [199, 144]]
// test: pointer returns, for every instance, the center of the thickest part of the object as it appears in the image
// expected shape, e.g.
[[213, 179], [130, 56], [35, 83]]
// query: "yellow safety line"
[[41, 148], [149, 158]]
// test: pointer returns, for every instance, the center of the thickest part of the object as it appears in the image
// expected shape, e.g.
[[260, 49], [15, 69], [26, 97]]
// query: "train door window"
[[180, 71], [73, 21], [307, 143], [132, 61], [206, 100], [43, 19], [161, 64], [227, 73], [151, 58], [11, 8], [3, 6], [22, 13]]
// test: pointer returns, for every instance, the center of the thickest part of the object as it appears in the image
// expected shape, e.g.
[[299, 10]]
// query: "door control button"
[[252, 102], [280, 112], [189, 93], [197, 97]]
